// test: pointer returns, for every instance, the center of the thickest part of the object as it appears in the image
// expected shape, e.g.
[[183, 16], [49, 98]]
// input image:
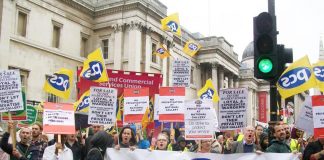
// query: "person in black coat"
[[99, 142]]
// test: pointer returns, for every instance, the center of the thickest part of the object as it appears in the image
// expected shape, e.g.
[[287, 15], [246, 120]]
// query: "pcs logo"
[[295, 78], [193, 46], [84, 103], [173, 26], [94, 72], [160, 51], [59, 82], [319, 73], [208, 94]]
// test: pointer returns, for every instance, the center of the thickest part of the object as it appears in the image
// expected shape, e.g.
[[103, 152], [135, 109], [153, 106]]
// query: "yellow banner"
[[191, 48], [298, 77], [208, 91], [60, 83], [94, 68], [162, 52], [171, 23], [318, 69], [82, 105]]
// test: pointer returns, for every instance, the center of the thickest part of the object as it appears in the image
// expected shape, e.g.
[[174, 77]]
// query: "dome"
[[248, 52]]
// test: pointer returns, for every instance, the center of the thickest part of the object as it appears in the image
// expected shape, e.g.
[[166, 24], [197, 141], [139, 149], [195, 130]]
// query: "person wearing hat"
[[180, 144]]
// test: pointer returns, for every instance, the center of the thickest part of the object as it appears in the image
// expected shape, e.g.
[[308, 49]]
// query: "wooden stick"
[[12, 131], [117, 133], [59, 141]]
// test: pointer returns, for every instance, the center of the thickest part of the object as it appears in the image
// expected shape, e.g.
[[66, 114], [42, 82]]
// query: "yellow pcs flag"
[[146, 118], [171, 23], [94, 68], [82, 105], [208, 91], [119, 115], [298, 77], [60, 83], [318, 69], [191, 48], [162, 52]]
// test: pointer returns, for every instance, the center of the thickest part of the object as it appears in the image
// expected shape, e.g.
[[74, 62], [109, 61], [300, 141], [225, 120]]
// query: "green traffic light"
[[265, 65]]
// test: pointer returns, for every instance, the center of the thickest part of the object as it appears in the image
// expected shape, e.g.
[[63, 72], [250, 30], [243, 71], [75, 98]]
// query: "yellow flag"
[[162, 52], [298, 77], [146, 119], [119, 116], [318, 69], [191, 48], [208, 91], [82, 105], [94, 68], [171, 23], [60, 83]]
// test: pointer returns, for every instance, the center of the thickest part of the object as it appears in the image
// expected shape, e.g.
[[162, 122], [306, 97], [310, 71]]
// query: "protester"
[[216, 147], [94, 129], [75, 146], [292, 143], [247, 145], [180, 145], [205, 146], [258, 131], [21, 147], [162, 142], [52, 152], [37, 145], [263, 143], [127, 139], [278, 144], [99, 142], [314, 150]]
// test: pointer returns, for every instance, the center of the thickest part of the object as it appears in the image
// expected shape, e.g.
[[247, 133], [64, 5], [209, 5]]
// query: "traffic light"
[[265, 46], [285, 55]]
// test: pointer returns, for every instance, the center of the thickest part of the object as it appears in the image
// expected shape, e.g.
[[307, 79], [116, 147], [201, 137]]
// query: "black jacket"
[[5, 146]]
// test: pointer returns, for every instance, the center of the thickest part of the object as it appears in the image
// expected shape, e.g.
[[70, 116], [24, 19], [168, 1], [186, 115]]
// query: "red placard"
[[262, 97], [318, 101], [133, 93], [123, 79], [58, 118], [171, 91]]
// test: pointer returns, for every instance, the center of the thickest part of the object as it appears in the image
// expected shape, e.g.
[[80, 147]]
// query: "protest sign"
[[318, 115], [305, 118], [58, 118], [10, 91], [136, 100], [31, 116], [17, 115], [171, 104], [103, 104], [181, 73], [145, 154], [156, 107], [200, 117], [232, 108]]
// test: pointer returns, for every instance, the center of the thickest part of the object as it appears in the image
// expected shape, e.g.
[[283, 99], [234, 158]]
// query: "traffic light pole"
[[271, 7], [273, 101]]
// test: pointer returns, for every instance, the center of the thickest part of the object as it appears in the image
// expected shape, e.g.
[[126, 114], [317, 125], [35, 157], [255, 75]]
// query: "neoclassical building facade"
[[38, 37]]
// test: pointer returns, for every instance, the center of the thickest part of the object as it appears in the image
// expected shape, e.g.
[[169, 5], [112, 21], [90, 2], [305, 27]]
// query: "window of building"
[[84, 46], [154, 57], [51, 97], [56, 34], [22, 24], [105, 48], [192, 75]]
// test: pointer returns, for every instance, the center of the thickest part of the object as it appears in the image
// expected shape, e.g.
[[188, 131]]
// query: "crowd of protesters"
[[280, 138]]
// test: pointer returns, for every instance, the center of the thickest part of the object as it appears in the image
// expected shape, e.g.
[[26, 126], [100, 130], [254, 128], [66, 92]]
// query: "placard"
[[305, 118], [136, 100], [171, 104], [103, 104], [58, 118], [10, 91], [318, 115], [232, 108], [181, 73]]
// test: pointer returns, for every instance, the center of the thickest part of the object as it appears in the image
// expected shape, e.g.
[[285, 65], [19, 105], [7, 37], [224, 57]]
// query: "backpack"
[[94, 154]]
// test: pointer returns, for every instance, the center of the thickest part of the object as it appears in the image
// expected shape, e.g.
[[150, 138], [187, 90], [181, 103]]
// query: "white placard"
[[199, 110], [171, 104], [135, 105], [156, 107], [181, 73], [305, 119], [232, 108], [103, 104], [58, 117], [10, 91], [199, 129], [318, 116]]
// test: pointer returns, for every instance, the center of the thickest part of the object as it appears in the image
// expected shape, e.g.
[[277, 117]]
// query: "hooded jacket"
[[99, 143]]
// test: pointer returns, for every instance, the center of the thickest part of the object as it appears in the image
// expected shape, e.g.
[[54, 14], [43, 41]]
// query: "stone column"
[[230, 80], [135, 46], [214, 75], [148, 50], [220, 78], [236, 82], [198, 74], [118, 46]]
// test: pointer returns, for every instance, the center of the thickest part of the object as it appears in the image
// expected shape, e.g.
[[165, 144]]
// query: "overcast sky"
[[300, 22]]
